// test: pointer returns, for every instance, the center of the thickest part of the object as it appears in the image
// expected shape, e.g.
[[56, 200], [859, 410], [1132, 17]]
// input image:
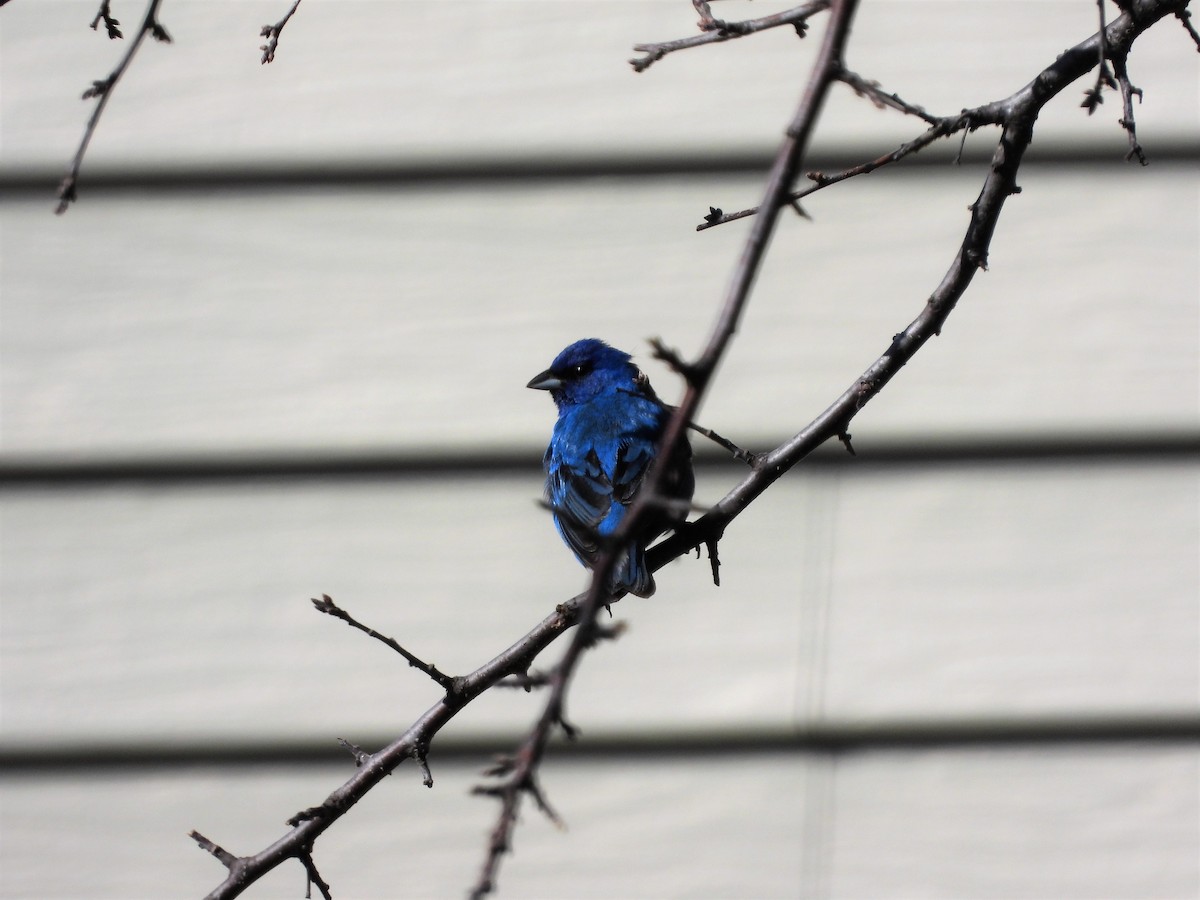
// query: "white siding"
[[297, 323]]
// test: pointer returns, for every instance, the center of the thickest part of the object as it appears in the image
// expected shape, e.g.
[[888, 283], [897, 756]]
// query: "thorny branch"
[[103, 89], [1016, 116]]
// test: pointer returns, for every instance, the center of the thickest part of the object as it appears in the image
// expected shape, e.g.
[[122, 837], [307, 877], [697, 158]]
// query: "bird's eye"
[[579, 371]]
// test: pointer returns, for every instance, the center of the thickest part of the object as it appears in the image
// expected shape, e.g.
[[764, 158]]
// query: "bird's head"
[[584, 370]]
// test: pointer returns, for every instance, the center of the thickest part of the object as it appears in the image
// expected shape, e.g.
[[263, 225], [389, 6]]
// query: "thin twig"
[[1128, 92], [314, 877], [419, 757], [882, 99], [102, 91], [110, 24], [1093, 97], [525, 681], [1185, 19], [228, 860], [327, 606], [272, 33], [738, 453], [724, 31], [360, 755], [965, 122]]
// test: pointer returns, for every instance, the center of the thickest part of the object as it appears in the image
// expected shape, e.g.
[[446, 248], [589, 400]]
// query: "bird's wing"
[[588, 501], [581, 495]]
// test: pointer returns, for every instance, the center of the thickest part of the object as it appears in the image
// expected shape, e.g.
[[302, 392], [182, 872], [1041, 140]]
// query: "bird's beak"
[[545, 381]]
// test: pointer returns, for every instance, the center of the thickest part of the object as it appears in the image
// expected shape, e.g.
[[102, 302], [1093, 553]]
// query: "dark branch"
[[1185, 19], [272, 33], [882, 99], [717, 31], [526, 681], [967, 121], [698, 374], [360, 755], [738, 453], [102, 91], [110, 24], [1017, 114], [314, 877], [1093, 97], [1128, 92], [327, 606], [227, 859]]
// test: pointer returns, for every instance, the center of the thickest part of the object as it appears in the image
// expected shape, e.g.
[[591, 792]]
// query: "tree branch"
[[969, 120], [327, 606], [964, 122], [698, 374], [110, 24], [716, 31], [103, 90], [272, 33], [1017, 115]]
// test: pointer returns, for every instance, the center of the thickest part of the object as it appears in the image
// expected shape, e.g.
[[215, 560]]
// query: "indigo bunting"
[[606, 436]]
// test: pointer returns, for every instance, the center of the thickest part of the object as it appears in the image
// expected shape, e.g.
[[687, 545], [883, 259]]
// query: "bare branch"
[[1093, 97], [272, 33], [1128, 91], [102, 90], [882, 99], [314, 877], [110, 24], [1017, 115], [327, 606], [360, 755], [716, 31], [967, 121], [738, 453], [227, 859], [418, 755], [1185, 19], [526, 681]]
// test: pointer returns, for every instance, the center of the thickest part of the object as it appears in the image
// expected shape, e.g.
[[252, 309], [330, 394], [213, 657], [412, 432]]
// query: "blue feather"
[[604, 441]]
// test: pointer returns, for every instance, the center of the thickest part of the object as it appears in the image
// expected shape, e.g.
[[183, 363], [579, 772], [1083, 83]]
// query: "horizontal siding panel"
[[180, 615], [1021, 824], [315, 322], [1071, 823], [477, 78]]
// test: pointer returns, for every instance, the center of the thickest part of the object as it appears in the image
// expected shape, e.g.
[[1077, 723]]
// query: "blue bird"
[[606, 436]]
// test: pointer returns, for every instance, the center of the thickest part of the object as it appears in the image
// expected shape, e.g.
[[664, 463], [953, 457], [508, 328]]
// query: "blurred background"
[[279, 349]]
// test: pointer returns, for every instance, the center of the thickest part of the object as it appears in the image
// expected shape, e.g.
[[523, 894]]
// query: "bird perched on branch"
[[609, 425]]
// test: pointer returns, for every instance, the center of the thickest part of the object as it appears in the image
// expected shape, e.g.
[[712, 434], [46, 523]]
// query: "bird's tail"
[[632, 575]]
